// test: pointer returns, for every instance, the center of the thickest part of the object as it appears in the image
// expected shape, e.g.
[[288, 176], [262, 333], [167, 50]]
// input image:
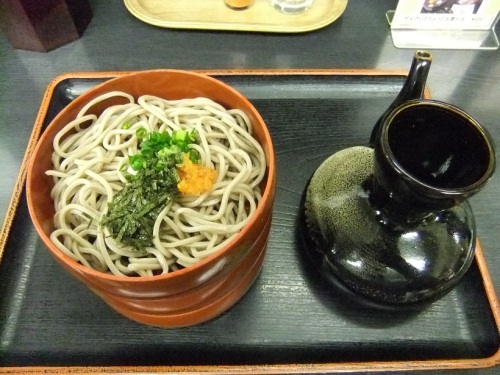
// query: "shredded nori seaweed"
[[132, 212]]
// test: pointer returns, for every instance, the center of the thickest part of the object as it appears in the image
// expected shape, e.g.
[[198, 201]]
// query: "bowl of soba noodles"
[[155, 189]]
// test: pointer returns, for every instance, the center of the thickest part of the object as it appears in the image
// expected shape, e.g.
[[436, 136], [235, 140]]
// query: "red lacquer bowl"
[[191, 295]]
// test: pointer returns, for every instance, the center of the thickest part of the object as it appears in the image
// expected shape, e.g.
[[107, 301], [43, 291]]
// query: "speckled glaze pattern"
[[333, 193], [392, 223], [381, 264]]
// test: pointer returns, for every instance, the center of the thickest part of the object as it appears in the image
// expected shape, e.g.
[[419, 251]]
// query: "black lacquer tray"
[[290, 321]]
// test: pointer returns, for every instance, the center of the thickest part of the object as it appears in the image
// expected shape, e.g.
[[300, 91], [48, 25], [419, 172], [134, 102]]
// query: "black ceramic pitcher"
[[391, 223]]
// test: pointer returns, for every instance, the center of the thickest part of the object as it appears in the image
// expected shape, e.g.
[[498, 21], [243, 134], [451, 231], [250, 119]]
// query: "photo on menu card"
[[446, 14], [451, 6]]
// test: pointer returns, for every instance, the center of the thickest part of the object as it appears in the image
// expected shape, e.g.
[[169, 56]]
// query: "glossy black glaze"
[[429, 156], [393, 224], [385, 262], [413, 88]]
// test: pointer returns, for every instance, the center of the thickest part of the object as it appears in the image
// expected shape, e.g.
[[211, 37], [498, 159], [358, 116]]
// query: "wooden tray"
[[215, 15], [290, 321]]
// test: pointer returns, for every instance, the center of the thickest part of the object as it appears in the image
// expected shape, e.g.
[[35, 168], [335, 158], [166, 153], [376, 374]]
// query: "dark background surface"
[[360, 39]]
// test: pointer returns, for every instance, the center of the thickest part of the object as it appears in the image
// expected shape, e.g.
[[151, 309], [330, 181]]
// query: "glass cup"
[[291, 6]]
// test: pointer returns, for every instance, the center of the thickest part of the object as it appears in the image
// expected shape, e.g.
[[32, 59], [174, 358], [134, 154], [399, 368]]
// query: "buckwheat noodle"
[[89, 152]]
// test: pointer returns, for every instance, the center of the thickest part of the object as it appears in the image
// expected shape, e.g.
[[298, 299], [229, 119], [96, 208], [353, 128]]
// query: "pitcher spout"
[[413, 88]]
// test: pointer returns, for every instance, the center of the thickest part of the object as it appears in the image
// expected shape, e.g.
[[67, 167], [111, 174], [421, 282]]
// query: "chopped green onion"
[[134, 209], [137, 162], [141, 133]]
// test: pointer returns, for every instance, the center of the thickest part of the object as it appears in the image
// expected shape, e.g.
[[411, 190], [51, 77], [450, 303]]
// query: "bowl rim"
[[267, 194]]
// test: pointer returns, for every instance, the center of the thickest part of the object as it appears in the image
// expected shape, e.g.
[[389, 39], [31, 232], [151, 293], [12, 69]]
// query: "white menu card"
[[445, 23]]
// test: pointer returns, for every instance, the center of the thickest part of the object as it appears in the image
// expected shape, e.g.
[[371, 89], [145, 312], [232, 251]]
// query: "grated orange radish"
[[195, 179]]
